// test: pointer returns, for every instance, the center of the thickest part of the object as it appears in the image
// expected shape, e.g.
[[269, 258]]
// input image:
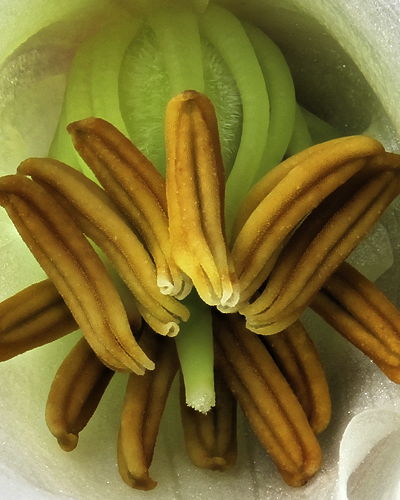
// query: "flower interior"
[[188, 213]]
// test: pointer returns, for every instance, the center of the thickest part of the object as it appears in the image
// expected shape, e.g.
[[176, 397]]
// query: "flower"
[[333, 209], [196, 247]]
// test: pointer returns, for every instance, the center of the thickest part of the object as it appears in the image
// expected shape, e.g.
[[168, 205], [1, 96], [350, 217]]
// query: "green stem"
[[176, 28], [200, 5], [61, 149], [109, 48], [320, 130], [77, 105], [177, 31], [196, 354], [281, 94], [93, 89], [228, 36], [301, 138], [165, 59]]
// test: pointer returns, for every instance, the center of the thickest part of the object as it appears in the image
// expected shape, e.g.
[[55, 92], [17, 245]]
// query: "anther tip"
[[171, 329]]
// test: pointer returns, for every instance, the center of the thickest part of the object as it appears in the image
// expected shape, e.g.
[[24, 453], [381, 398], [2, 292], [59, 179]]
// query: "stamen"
[[281, 95], [76, 391], [295, 354], [360, 312], [144, 404], [77, 272], [97, 217], [300, 188], [267, 400], [195, 194], [210, 438], [317, 248], [137, 189], [31, 318]]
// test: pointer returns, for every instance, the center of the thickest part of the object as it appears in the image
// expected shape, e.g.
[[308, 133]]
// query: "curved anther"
[[195, 196], [75, 269], [138, 190], [98, 218], [33, 317], [317, 248], [145, 399], [295, 354], [360, 312], [267, 400], [76, 391], [293, 189]]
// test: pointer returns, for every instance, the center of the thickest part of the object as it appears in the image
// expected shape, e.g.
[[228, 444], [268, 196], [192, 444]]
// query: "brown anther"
[[295, 354], [75, 393], [210, 438], [292, 191], [144, 404], [195, 196], [137, 188], [96, 215], [273, 411], [318, 247], [75, 269], [360, 312], [265, 185], [31, 318], [384, 161]]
